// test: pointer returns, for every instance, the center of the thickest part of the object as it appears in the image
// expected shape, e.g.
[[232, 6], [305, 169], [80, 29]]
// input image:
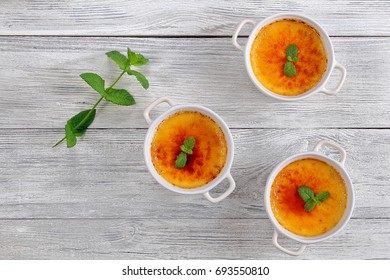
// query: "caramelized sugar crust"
[[209, 154], [288, 207], [268, 57]]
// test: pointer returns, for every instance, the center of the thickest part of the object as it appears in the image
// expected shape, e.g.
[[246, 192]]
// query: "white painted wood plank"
[[180, 239], [175, 17], [105, 176], [40, 86], [98, 201]]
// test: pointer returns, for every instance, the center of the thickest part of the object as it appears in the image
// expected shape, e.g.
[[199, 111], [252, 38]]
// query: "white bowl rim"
[[347, 213], [325, 40], [214, 116]]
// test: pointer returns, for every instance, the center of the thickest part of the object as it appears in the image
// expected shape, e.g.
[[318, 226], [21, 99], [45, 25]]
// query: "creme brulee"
[[288, 207], [268, 57], [209, 154]]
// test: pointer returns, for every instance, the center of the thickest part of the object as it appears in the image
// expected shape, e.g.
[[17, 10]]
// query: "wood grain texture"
[[180, 239], [105, 175], [175, 17], [98, 201], [41, 87]]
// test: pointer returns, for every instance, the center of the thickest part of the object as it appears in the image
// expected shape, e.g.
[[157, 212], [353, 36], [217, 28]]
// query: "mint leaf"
[[95, 81], [140, 77], [309, 205], [119, 97], [310, 198], [120, 59], [79, 126], [181, 160], [189, 142], [289, 69], [136, 59], [185, 149], [71, 139], [305, 193], [322, 196], [292, 51]]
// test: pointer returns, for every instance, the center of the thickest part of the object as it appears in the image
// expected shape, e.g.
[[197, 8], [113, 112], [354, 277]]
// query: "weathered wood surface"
[[41, 87], [179, 239], [98, 201], [176, 17], [105, 175]]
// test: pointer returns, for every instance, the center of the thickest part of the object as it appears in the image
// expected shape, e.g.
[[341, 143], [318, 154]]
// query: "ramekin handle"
[[287, 251], [335, 90], [334, 145], [232, 186], [154, 104], [239, 27]]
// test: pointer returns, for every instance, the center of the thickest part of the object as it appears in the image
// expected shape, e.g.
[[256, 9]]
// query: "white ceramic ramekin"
[[332, 63], [225, 172], [339, 166]]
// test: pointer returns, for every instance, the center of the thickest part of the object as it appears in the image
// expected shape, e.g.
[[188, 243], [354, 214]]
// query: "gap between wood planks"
[[145, 218], [236, 128], [173, 36]]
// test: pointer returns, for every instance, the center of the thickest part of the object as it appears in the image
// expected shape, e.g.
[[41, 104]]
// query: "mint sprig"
[[78, 124], [186, 149], [310, 198], [291, 55]]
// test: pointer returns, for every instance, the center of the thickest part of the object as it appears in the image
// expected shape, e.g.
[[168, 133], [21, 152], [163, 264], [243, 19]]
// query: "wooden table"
[[98, 201]]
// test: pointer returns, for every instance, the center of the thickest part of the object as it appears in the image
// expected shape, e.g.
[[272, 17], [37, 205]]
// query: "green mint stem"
[[59, 142], [100, 99], [82, 121], [90, 111], [120, 76]]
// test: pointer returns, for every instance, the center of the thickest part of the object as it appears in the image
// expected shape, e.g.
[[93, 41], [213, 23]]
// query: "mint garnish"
[[310, 199], [181, 160], [291, 53], [186, 148]]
